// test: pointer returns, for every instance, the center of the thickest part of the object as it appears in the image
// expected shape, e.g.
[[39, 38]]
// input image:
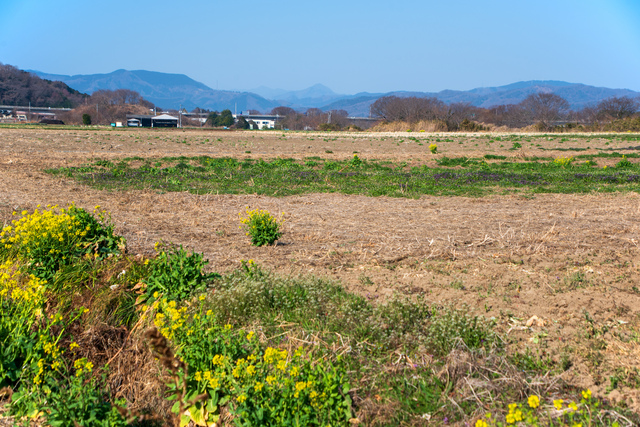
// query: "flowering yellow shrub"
[[28, 291], [48, 238], [563, 161], [261, 226], [261, 386]]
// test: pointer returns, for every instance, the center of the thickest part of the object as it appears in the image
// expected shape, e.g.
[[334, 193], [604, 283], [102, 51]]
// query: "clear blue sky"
[[348, 45]]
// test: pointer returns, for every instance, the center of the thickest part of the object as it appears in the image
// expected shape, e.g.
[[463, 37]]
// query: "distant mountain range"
[[172, 90], [316, 96], [165, 90], [577, 95]]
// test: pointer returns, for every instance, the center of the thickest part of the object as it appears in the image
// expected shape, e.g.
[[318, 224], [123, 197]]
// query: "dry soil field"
[[571, 260]]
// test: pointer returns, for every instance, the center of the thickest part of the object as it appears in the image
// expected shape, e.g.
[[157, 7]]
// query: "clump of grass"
[[451, 327]]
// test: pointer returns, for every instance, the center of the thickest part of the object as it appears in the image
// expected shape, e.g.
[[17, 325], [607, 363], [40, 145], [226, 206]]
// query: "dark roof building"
[[161, 121]]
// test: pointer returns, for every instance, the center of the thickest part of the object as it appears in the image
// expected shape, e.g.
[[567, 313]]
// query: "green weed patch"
[[281, 177]]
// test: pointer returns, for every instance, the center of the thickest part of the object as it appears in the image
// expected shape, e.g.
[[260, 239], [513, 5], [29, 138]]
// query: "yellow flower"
[[294, 371], [558, 404], [518, 415], [227, 326], [202, 297], [258, 386], [534, 401], [586, 394], [250, 335], [251, 370], [198, 376], [573, 406], [241, 398], [481, 423], [271, 379]]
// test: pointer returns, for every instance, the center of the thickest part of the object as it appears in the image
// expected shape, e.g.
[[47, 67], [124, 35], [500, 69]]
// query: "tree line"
[[544, 111], [108, 106]]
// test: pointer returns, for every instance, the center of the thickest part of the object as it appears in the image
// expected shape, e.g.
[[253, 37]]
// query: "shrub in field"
[[47, 239], [433, 148], [563, 161], [470, 126], [624, 163], [259, 385], [450, 327], [355, 161], [176, 274], [262, 227]]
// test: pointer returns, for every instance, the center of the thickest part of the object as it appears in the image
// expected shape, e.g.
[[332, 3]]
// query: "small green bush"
[[176, 274], [262, 227], [624, 163]]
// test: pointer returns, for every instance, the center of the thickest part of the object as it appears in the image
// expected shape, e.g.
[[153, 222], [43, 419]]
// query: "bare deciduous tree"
[[615, 108], [410, 109], [544, 108]]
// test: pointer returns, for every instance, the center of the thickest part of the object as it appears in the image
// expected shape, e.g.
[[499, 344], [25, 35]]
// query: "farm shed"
[[164, 121], [161, 121]]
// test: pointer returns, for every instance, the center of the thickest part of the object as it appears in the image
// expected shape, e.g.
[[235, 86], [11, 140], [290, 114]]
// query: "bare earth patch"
[[563, 258]]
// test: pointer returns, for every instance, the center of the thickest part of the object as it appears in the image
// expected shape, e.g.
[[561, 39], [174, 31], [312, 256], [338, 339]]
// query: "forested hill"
[[19, 87]]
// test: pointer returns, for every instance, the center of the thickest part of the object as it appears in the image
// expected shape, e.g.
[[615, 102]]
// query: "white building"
[[262, 121]]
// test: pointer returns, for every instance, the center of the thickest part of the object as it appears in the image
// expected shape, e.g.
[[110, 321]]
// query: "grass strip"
[[283, 177]]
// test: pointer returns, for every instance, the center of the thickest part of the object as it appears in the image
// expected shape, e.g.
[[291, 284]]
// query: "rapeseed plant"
[[563, 161], [535, 414], [261, 226]]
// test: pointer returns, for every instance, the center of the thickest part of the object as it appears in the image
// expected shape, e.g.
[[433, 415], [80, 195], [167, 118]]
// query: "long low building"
[[261, 121], [161, 121]]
